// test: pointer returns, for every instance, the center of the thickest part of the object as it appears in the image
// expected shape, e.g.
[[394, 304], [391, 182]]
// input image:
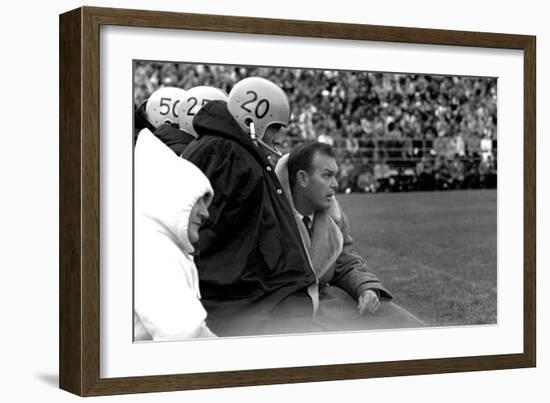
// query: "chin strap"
[[270, 149], [252, 129], [261, 143]]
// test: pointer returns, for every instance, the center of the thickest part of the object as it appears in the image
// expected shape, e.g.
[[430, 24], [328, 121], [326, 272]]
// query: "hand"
[[368, 301]]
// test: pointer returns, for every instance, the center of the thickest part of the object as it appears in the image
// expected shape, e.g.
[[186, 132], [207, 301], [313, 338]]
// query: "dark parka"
[[254, 272], [173, 137]]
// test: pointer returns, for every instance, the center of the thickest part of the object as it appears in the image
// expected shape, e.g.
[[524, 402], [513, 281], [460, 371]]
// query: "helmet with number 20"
[[195, 98], [258, 100], [162, 105]]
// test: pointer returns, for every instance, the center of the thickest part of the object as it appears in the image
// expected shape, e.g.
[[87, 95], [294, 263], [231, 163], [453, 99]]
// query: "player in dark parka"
[[255, 276]]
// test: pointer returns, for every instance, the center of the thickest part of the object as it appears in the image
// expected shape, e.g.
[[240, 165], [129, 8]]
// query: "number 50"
[[165, 102]]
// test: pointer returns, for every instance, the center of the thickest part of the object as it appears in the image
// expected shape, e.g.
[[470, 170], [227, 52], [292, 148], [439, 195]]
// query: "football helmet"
[[259, 101], [163, 104], [194, 99]]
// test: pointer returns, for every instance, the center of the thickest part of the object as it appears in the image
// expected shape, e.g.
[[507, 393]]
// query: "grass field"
[[435, 251]]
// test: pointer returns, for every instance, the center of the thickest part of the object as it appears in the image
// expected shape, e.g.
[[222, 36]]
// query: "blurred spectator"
[[440, 145], [442, 175], [487, 173], [382, 175], [459, 145], [456, 171], [325, 138], [424, 174], [347, 176], [473, 146], [486, 147], [404, 180], [352, 145], [365, 177]]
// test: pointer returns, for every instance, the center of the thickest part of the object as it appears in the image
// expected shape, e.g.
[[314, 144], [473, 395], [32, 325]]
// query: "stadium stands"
[[397, 132]]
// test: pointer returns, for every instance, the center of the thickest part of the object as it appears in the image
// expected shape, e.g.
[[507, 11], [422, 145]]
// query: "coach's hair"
[[301, 158]]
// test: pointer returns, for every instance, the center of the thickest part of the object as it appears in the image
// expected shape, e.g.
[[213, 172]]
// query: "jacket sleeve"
[[351, 272]]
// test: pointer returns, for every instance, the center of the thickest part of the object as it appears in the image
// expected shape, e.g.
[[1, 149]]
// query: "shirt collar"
[[300, 216]]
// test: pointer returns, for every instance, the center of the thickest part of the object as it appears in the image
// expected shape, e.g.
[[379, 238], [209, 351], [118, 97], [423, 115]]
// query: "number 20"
[[262, 107]]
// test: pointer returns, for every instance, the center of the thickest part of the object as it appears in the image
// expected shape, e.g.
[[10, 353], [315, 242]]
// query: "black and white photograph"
[[267, 202], [272, 200]]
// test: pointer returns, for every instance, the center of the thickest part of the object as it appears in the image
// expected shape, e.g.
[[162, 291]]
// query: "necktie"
[[307, 222]]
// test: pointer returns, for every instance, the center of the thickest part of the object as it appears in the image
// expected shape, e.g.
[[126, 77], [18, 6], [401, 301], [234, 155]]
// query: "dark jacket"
[[173, 137], [254, 272]]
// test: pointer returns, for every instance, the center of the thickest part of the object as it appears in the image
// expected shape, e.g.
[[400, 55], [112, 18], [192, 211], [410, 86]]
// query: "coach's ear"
[[302, 178]]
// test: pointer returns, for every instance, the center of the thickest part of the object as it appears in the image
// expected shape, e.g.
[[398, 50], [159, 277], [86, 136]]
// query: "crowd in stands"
[[391, 132]]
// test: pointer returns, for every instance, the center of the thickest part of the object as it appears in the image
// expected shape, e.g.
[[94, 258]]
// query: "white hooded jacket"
[[166, 287]]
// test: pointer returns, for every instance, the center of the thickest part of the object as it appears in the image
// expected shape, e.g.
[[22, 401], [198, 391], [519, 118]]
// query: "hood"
[[214, 119], [281, 169], [166, 187]]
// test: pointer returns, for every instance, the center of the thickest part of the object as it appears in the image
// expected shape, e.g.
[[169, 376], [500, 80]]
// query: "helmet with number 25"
[[162, 105], [195, 98], [259, 101]]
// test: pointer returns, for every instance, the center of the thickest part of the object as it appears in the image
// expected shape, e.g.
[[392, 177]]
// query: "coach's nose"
[[334, 183]]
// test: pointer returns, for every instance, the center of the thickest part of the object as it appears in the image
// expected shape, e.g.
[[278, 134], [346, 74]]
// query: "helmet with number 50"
[[163, 104], [259, 101], [194, 99]]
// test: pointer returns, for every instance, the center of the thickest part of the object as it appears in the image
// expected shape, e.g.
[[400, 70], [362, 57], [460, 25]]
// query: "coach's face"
[[320, 183]]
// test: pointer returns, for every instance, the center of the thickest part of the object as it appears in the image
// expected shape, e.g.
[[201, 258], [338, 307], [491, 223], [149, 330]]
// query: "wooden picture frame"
[[80, 199]]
